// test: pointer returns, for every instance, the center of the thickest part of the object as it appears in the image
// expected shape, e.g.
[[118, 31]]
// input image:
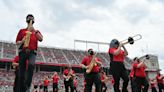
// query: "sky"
[[63, 21]]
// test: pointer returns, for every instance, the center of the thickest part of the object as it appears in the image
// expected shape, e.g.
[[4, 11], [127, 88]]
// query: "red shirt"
[[102, 77], [55, 79], [66, 72], [139, 72], [116, 58], [152, 85], [74, 83], [131, 73], [46, 82], [159, 80], [16, 59], [112, 81], [33, 44], [86, 61]]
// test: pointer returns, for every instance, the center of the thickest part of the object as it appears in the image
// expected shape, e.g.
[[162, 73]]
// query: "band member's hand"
[[87, 67], [15, 65], [23, 40], [38, 35], [121, 44]]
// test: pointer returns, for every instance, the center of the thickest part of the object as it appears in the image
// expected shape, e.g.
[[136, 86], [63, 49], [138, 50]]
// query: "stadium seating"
[[54, 55]]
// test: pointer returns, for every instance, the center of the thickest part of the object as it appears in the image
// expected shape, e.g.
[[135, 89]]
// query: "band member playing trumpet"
[[68, 75], [92, 65], [118, 70], [27, 39]]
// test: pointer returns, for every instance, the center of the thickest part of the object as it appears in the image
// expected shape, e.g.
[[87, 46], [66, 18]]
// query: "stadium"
[[56, 59]]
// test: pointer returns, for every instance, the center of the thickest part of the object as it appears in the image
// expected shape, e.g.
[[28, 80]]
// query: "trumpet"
[[131, 40]]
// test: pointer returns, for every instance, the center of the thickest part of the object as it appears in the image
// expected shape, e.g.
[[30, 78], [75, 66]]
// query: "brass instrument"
[[91, 65], [27, 39], [131, 40]]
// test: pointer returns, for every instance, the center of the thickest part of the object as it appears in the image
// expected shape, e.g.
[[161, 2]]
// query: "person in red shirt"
[[131, 75], [27, 41], [160, 79], [93, 76], [152, 83], [55, 78], [103, 80], [46, 83], [140, 79], [118, 70], [15, 66], [68, 76], [75, 84]]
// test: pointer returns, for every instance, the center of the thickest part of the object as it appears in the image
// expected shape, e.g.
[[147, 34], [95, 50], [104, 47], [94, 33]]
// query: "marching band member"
[[75, 84], [93, 76], [160, 79], [15, 66], [117, 67], [140, 79], [131, 75], [46, 83], [153, 83], [68, 75], [55, 79], [27, 39], [103, 80]]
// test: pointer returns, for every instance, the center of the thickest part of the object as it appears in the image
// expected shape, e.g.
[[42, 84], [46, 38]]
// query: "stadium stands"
[[54, 55]]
